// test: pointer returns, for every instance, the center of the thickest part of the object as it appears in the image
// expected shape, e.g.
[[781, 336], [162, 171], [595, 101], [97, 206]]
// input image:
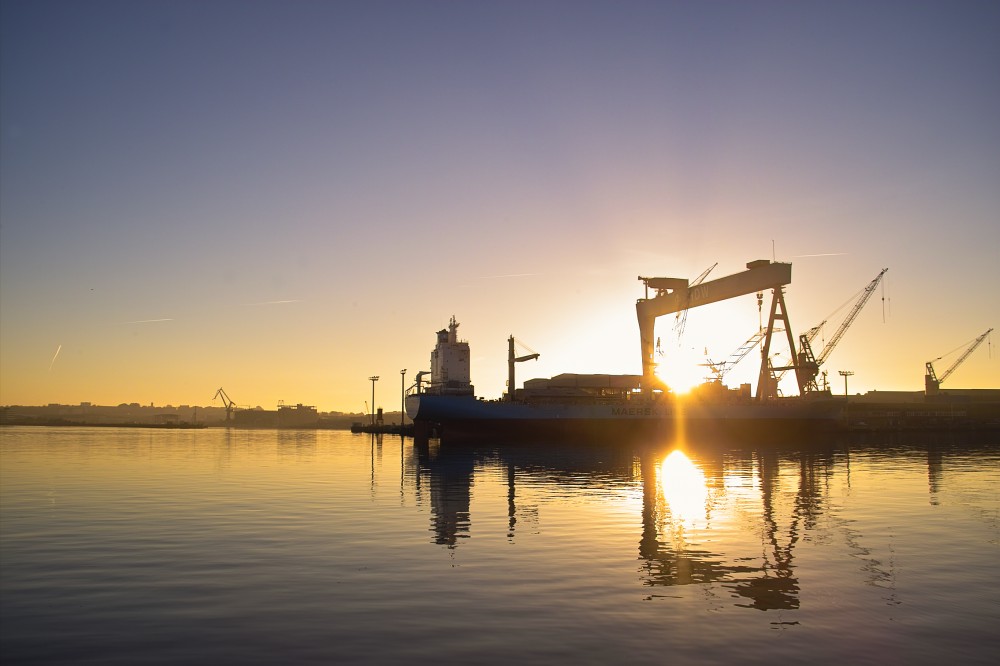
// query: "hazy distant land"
[[134, 413]]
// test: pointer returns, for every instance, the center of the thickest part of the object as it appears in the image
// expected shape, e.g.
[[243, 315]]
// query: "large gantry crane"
[[676, 294], [932, 383]]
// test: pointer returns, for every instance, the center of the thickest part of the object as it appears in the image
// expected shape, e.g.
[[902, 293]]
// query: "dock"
[[405, 430]]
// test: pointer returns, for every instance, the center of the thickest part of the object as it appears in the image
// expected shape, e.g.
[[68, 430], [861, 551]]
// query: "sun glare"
[[683, 486], [681, 372]]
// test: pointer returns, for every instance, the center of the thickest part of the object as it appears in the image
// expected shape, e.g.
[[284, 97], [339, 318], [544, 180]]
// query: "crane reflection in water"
[[694, 506], [678, 503]]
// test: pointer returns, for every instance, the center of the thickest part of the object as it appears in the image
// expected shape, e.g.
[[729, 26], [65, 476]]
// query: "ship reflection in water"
[[733, 518]]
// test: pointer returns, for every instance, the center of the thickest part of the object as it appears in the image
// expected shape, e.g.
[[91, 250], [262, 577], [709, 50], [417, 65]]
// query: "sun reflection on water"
[[683, 485]]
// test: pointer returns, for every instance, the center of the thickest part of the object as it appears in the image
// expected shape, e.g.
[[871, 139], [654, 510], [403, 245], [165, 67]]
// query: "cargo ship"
[[608, 407], [607, 416]]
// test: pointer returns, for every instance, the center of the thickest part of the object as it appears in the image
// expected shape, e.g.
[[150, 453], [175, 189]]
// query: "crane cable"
[[852, 299], [884, 287], [989, 342], [524, 346]]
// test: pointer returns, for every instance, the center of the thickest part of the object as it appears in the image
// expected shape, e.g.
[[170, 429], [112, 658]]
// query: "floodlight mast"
[[373, 379]]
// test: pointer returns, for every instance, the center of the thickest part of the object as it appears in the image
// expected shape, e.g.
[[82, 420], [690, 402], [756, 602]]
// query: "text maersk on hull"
[[637, 411]]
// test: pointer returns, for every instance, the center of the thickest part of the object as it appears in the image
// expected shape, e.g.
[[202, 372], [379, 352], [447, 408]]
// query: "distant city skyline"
[[216, 407], [285, 199]]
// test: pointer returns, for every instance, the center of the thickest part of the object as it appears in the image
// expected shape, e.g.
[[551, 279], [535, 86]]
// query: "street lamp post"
[[373, 379], [845, 374], [402, 398]]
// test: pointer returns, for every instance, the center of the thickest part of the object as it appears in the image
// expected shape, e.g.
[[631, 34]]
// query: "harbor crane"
[[512, 359], [932, 383], [419, 379], [720, 369], [808, 364], [230, 405]]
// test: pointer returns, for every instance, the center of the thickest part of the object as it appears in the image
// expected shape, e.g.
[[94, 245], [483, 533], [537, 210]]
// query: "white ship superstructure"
[[450, 365]]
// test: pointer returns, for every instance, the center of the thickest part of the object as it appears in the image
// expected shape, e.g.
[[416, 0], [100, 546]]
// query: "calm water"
[[155, 546]]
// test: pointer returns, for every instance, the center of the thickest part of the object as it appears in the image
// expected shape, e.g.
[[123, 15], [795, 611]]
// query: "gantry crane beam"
[[675, 294]]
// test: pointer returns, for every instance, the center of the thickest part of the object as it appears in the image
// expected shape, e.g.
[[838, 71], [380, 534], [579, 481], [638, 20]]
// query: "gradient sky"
[[284, 198]]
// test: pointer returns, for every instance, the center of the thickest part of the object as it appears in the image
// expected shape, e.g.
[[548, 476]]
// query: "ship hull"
[[466, 418]]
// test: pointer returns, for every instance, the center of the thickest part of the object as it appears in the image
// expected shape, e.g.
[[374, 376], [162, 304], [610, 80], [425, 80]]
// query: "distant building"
[[299, 416], [945, 395]]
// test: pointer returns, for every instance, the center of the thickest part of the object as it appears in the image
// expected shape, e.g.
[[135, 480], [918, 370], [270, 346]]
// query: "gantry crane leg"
[[767, 385]]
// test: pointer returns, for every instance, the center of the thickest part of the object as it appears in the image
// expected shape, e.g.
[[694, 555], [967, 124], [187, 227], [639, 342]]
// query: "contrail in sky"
[[293, 300], [494, 277], [145, 321], [54, 357], [827, 254]]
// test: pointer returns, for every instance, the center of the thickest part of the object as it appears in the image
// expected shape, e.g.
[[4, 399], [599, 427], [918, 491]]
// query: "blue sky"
[[284, 198]]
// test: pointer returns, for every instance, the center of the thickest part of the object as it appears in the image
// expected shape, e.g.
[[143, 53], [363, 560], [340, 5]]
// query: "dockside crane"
[[230, 405], [512, 359], [419, 380], [807, 361], [720, 369], [932, 383]]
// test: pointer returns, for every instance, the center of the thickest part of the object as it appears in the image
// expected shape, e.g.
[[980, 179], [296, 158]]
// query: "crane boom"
[[720, 369], [704, 274], [808, 360], [747, 347], [965, 355], [869, 290], [683, 315], [932, 382]]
